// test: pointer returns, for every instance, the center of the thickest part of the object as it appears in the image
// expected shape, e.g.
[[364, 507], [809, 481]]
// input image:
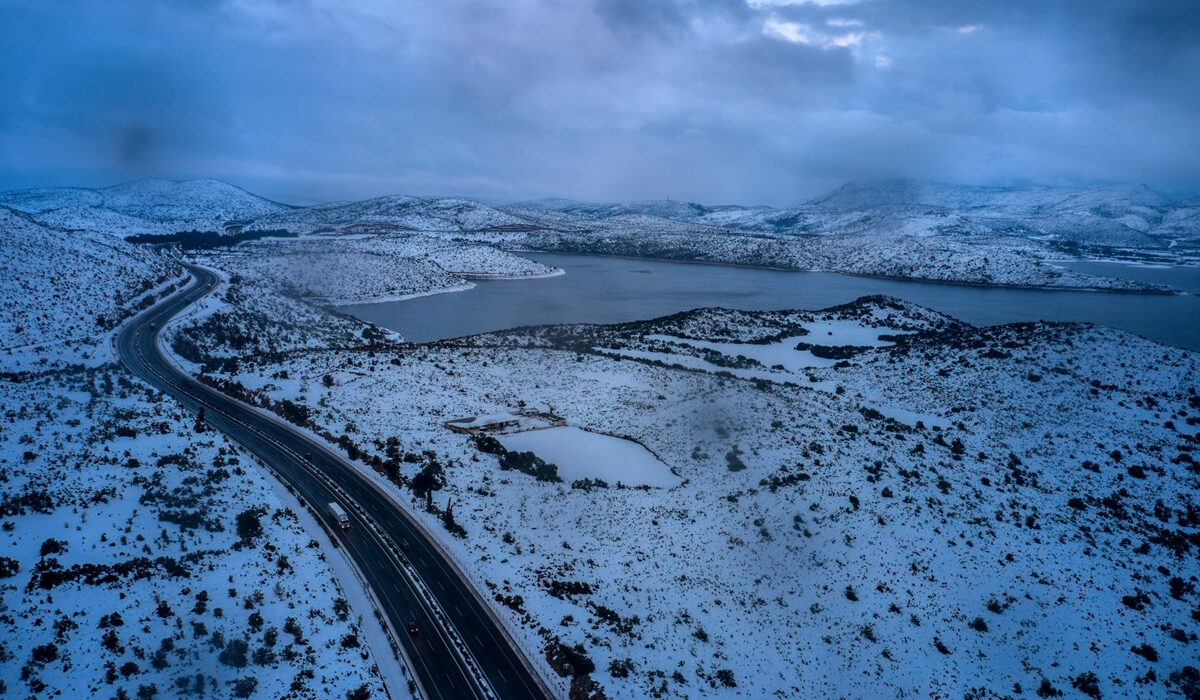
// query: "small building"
[[518, 421]]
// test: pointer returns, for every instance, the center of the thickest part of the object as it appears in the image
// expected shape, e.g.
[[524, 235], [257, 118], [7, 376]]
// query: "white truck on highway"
[[339, 514]]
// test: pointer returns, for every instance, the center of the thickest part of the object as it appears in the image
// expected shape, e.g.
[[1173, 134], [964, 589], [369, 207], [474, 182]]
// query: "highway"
[[319, 476]]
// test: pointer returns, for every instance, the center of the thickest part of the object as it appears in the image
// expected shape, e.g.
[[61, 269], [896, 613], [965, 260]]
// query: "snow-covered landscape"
[[900, 229], [882, 482], [613, 349], [144, 553], [873, 499]]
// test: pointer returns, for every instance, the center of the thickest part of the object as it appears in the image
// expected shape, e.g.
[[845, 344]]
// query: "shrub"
[[488, 445], [725, 677], [733, 459], [531, 464], [1188, 680], [1137, 601], [621, 668], [263, 656], [248, 524], [569, 661], [1087, 684], [53, 546], [244, 687], [45, 653], [234, 653]]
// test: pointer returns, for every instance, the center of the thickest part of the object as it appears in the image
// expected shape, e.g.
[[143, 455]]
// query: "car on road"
[[405, 545], [414, 628]]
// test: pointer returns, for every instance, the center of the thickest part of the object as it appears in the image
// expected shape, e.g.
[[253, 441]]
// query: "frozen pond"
[[612, 290], [581, 454]]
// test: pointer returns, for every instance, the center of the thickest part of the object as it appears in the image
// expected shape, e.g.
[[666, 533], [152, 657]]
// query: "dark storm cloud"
[[638, 18], [716, 100]]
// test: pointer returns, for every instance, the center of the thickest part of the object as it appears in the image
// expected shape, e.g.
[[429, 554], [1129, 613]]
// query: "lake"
[[612, 290]]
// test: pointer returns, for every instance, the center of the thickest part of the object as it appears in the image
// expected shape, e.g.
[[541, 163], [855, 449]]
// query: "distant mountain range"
[[1130, 216], [1007, 236]]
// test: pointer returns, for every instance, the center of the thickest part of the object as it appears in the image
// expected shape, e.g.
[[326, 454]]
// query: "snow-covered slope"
[[952, 233], [141, 557], [875, 500], [168, 200], [661, 208], [352, 269], [392, 213], [148, 205], [334, 271], [62, 291]]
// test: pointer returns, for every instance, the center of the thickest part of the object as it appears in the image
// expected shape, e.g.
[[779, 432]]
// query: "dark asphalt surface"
[[284, 449]]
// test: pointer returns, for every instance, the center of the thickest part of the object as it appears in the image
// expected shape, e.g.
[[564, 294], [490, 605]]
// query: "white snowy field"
[[932, 517], [61, 291], [582, 454], [139, 556], [142, 557], [973, 235], [353, 269], [784, 354], [952, 512]]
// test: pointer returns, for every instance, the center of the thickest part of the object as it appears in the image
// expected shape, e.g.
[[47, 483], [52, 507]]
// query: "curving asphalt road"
[[320, 476]]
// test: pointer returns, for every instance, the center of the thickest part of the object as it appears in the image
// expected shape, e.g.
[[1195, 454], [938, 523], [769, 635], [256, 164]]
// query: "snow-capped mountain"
[[167, 200], [978, 235], [394, 212], [661, 208], [143, 205], [1131, 216]]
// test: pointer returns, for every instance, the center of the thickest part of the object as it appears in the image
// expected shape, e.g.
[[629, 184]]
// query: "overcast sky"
[[717, 101]]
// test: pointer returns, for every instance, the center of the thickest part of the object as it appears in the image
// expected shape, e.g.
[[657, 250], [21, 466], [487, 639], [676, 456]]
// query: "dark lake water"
[[611, 290]]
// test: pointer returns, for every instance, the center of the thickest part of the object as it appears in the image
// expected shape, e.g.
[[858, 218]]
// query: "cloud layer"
[[758, 101]]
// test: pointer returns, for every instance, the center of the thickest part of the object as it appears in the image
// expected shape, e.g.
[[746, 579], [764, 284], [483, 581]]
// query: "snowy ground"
[[354, 269], [933, 515], [973, 235], [60, 291], [929, 509], [141, 554], [580, 454]]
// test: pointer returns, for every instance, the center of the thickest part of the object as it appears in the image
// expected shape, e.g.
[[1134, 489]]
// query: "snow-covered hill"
[[354, 269], [142, 557], [149, 205], [61, 291], [952, 233], [393, 213], [873, 500], [168, 200], [142, 554]]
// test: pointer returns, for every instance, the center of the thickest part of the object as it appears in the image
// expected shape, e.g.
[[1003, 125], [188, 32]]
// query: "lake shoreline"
[[863, 275], [604, 290]]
